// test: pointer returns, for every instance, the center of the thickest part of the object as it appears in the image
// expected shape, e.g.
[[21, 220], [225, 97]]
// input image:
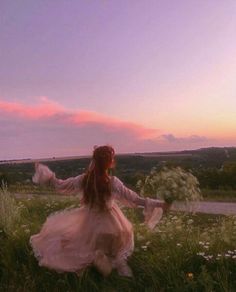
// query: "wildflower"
[[140, 237], [172, 184], [209, 257], [190, 221], [179, 244], [190, 275], [201, 254]]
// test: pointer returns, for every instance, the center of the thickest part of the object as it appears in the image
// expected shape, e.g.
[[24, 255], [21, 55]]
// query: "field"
[[215, 169], [185, 252]]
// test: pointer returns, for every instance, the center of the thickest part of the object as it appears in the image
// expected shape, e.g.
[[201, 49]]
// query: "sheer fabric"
[[69, 239]]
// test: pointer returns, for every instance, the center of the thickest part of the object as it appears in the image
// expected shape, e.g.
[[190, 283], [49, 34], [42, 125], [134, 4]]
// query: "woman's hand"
[[43, 175]]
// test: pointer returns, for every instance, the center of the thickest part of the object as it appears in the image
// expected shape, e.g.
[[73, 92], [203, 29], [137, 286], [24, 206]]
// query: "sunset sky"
[[139, 75]]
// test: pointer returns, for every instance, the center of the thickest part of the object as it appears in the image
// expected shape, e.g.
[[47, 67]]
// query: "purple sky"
[[140, 75]]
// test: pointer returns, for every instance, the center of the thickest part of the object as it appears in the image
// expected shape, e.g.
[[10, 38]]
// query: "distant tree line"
[[215, 168]]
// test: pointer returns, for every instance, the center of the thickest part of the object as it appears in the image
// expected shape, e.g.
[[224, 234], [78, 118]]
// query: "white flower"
[[190, 221], [140, 237], [171, 184], [201, 254]]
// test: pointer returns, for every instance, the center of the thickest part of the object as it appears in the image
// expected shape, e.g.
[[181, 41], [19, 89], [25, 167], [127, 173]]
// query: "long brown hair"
[[96, 182]]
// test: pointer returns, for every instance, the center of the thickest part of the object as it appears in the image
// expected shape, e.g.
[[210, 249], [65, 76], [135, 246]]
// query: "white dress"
[[69, 239]]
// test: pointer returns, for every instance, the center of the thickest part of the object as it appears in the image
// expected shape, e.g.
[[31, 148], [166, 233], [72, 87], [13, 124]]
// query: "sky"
[[143, 76]]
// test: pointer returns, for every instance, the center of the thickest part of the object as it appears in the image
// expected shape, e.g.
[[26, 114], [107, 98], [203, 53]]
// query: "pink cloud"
[[87, 117], [45, 108], [49, 129], [48, 109]]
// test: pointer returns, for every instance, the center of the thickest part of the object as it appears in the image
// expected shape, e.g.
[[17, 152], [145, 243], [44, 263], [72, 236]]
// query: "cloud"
[[190, 139], [48, 129], [47, 109]]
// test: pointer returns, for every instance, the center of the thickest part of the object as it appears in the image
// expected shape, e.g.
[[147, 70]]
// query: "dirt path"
[[224, 208]]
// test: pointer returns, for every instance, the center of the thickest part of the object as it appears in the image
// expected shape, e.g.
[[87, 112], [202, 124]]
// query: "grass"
[[208, 194], [219, 195], [185, 252]]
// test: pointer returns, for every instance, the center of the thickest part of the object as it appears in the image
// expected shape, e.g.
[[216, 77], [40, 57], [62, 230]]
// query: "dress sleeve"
[[125, 195], [70, 186]]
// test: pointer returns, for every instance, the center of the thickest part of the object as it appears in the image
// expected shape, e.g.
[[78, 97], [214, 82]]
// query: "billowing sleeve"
[[124, 195], [152, 208], [70, 186]]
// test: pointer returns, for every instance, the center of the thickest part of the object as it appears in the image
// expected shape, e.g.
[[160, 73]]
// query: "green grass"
[[219, 195], [185, 252], [208, 194]]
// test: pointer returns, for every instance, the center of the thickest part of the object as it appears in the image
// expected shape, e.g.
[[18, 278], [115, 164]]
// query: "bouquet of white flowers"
[[171, 184]]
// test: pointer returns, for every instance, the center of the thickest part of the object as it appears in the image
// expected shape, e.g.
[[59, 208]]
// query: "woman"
[[97, 233]]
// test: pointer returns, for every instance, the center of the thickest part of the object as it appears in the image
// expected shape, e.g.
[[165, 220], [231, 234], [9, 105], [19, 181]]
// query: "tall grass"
[[185, 252], [10, 211]]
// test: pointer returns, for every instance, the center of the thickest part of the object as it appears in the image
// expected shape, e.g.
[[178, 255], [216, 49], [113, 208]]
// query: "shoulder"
[[115, 180], [116, 184]]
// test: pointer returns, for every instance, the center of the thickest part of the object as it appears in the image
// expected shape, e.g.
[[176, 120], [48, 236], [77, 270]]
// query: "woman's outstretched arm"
[[128, 197], [44, 176], [153, 209]]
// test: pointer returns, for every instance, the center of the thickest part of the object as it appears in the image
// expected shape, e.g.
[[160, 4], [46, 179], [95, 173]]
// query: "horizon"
[[143, 77], [161, 153]]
